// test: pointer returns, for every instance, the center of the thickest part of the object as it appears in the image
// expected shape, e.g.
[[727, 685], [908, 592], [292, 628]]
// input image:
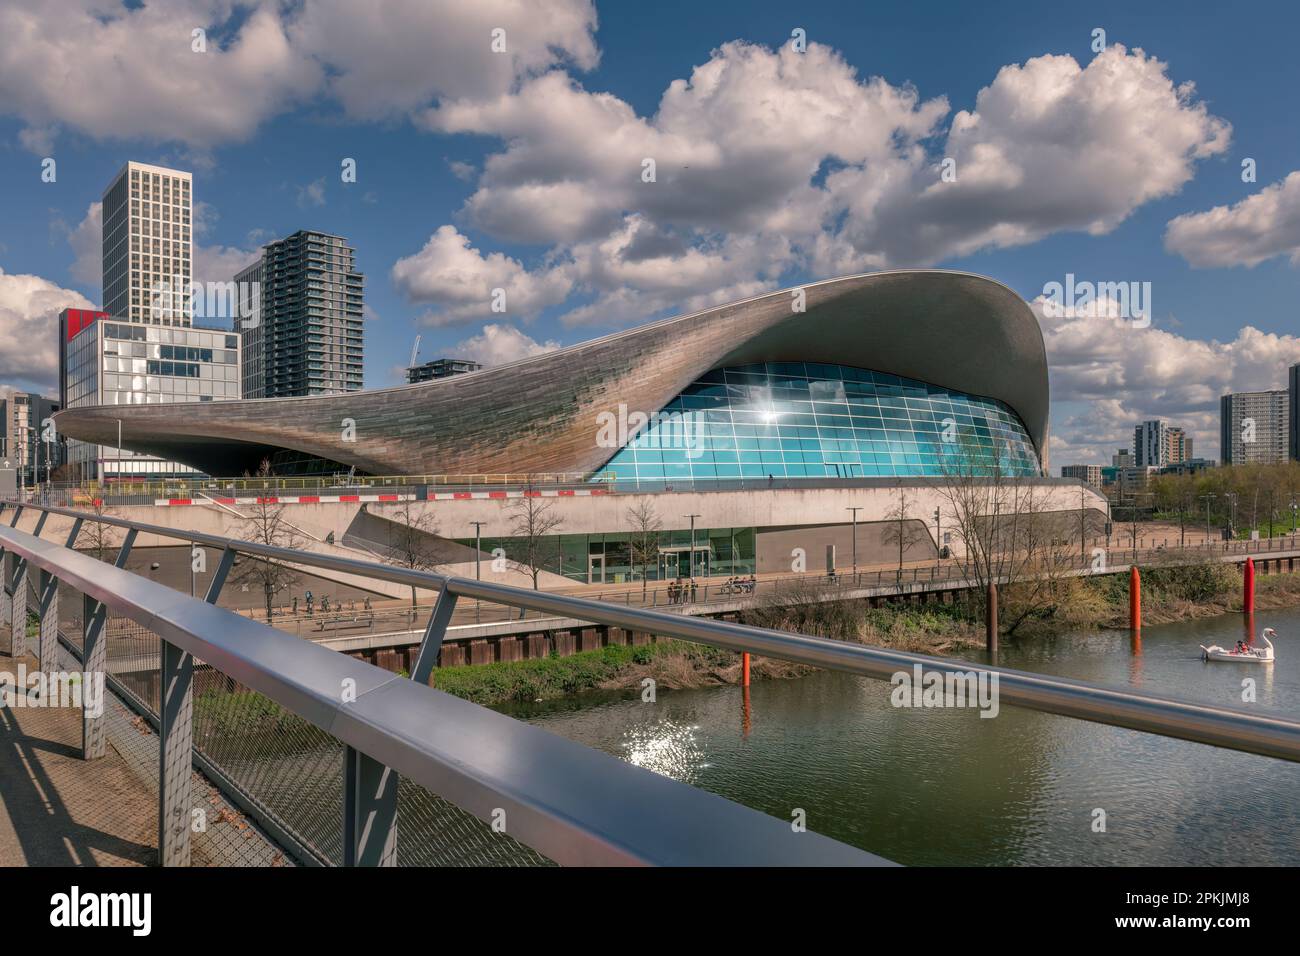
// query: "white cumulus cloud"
[[500, 344], [1122, 374], [764, 162], [1258, 228], [29, 322], [460, 281], [118, 72]]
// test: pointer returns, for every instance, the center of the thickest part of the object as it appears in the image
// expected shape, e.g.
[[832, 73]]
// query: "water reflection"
[[946, 787]]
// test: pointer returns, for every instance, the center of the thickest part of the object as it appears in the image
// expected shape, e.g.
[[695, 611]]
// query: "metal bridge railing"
[[566, 802], [557, 800]]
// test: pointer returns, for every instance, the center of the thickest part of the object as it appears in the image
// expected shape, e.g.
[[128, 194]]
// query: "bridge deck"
[[59, 810]]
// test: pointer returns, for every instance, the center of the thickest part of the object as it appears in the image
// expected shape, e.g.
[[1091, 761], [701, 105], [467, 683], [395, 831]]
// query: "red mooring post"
[[1248, 588], [744, 668], [1134, 599]]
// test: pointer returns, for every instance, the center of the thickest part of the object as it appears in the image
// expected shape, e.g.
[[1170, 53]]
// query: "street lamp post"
[[690, 562], [855, 511], [1208, 498], [938, 540], [478, 556]]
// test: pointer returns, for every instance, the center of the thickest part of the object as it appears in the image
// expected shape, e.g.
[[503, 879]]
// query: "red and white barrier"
[[353, 499]]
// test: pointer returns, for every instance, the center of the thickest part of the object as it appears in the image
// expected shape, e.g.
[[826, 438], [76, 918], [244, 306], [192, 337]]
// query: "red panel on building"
[[74, 320]]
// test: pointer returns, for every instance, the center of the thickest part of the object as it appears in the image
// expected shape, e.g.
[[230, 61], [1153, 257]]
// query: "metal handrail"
[[1225, 727], [573, 804]]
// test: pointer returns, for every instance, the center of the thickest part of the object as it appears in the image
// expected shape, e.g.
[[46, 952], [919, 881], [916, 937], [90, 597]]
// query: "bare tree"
[[645, 537], [266, 524], [1006, 531], [95, 535], [412, 540], [534, 519], [901, 529]]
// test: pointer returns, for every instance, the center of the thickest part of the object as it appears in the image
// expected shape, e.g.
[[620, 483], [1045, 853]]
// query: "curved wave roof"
[[963, 332]]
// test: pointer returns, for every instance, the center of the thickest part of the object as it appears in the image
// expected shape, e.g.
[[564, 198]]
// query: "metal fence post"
[[426, 658], [369, 811], [176, 737], [5, 602], [94, 660], [49, 612], [18, 604], [175, 754]]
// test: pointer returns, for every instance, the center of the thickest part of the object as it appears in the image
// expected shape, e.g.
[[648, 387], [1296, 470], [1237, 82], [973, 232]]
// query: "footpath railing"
[[291, 730], [351, 618]]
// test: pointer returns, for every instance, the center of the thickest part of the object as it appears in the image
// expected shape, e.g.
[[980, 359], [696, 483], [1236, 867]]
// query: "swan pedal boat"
[[1252, 655]]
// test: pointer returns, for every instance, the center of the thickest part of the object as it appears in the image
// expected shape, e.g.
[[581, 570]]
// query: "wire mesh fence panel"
[[133, 660], [289, 768], [433, 832]]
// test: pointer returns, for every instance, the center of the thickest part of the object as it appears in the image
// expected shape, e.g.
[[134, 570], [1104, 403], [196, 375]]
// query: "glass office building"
[[129, 363], [806, 420]]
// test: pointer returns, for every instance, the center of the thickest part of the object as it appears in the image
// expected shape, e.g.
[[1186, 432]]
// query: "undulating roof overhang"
[[961, 331]]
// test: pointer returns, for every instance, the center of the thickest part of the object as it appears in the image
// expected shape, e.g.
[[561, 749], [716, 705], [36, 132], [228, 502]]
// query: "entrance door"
[[595, 569], [669, 565], [700, 562]]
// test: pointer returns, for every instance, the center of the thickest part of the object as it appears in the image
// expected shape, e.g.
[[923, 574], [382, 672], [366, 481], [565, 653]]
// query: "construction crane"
[[415, 351]]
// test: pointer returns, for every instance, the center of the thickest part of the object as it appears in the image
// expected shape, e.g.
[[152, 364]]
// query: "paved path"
[[59, 810]]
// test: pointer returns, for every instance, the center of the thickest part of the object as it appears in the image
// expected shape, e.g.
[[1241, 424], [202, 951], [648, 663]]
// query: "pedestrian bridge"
[[332, 761]]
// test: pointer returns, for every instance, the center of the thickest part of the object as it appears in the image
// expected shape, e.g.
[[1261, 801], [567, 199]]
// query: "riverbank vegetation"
[[1169, 594], [672, 665]]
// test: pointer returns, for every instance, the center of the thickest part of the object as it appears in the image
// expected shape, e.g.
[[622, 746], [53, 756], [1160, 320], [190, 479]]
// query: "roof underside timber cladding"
[[961, 331]]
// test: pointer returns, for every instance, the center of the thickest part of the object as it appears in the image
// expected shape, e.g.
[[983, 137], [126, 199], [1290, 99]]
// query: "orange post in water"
[[1248, 588], [744, 668], [1134, 599]]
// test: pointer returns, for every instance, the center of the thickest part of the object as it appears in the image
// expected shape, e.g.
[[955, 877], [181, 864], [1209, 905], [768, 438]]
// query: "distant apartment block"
[[308, 335], [147, 213], [1123, 458], [1178, 446], [1090, 474], [1254, 427], [23, 437], [440, 368], [1150, 444]]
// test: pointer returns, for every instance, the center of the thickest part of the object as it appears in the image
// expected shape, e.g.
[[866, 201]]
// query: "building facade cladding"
[[312, 317], [112, 365], [1254, 427], [543, 414], [248, 286], [811, 420], [147, 250]]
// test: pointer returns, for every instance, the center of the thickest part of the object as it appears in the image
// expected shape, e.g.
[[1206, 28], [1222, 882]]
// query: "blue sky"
[[479, 170]]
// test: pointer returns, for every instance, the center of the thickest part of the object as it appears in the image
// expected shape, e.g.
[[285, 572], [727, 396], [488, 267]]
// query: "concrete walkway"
[[59, 810]]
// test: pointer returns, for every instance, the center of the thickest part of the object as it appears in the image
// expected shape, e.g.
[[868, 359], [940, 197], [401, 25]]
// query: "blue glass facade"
[[807, 420]]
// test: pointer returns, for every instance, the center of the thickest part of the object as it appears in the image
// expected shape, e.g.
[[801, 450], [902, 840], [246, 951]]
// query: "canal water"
[[947, 787]]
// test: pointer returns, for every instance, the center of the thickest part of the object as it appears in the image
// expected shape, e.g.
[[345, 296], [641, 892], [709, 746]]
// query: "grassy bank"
[[671, 664]]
